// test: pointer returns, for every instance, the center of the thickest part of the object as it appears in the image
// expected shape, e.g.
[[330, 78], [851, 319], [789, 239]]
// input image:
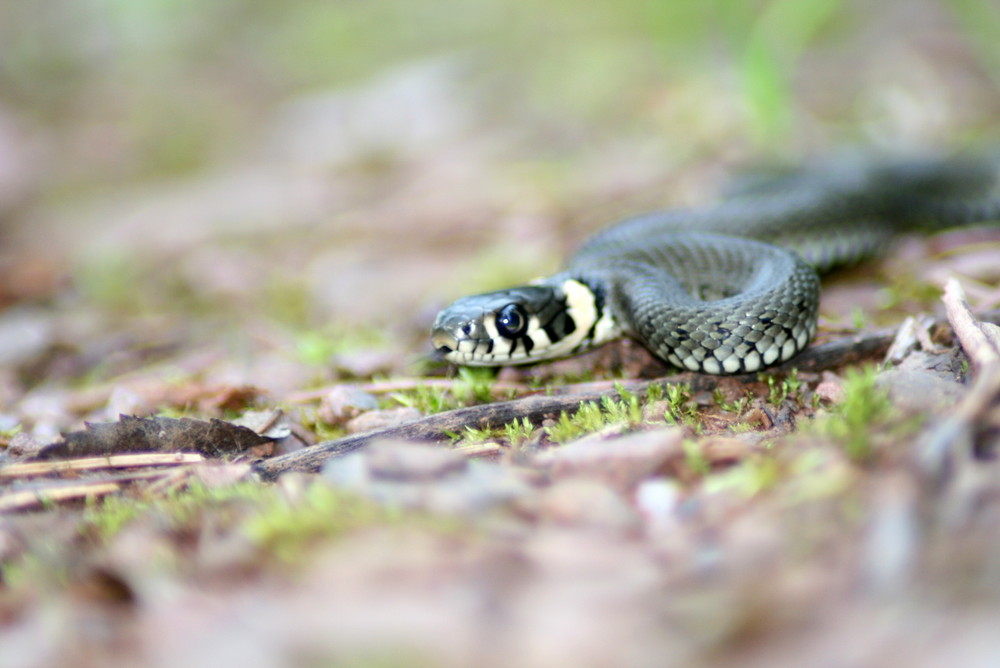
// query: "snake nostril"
[[444, 350]]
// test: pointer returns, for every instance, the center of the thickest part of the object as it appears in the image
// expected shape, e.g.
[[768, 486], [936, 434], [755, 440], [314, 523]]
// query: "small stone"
[[269, 423], [482, 486], [919, 391], [415, 475], [23, 445], [392, 417], [830, 389], [399, 460], [348, 472], [946, 365], [345, 402], [655, 410], [657, 500], [723, 450], [580, 502], [222, 474], [622, 462]]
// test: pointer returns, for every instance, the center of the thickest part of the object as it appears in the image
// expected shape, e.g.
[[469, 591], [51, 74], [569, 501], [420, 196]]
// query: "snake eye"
[[511, 321]]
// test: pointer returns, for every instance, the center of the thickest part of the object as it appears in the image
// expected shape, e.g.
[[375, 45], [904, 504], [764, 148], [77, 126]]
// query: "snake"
[[731, 287]]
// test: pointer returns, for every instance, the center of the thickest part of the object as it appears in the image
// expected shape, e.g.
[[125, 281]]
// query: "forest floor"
[[223, 440]]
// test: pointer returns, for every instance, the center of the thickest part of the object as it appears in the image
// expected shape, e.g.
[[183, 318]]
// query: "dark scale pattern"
[[694, 288], [710, 302], [733, 287]]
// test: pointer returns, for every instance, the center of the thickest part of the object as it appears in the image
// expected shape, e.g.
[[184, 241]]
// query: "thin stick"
[[980, 340], [26, 469], [35, 498]]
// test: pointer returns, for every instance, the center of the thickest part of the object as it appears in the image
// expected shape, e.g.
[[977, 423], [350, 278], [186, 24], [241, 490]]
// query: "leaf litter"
[[750, 522]]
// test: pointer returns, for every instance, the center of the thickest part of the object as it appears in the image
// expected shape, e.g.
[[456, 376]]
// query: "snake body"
[[729, 288]]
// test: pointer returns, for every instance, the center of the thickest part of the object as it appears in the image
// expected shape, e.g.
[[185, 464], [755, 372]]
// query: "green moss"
[[680, 409], [587, 419], [865, 406], [474, 384], [514, 433], [694, 458], [427, 399], [282, 529], [518, 431], [109, 280], [738, 406], [812, 475], [31, 569], [317, 347], [178, 412], [626, 410], [285, 530], [104, 518], [779, 390], [474, 435], [109, 515], [327, 432], [744, 427], [751, 477], [654, 392], [7, 434], [593, 416], [980, 20]]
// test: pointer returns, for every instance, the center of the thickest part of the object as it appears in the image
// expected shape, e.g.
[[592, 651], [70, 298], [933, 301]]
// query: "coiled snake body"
[[730, 288]]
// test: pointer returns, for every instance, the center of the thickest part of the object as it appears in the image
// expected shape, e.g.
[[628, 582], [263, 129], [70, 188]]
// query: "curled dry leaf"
[[215, 438]]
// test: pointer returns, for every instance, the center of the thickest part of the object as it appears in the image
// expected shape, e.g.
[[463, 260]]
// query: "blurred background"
[[300, 185]]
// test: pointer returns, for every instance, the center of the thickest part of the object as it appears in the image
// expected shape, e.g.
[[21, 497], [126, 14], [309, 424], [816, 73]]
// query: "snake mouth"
[[444, 342]]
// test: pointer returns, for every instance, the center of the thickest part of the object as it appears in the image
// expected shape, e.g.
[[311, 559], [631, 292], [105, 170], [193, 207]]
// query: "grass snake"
[[728, 288]]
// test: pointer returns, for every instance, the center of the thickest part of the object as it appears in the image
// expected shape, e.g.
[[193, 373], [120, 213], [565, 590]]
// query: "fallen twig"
[[170, 482], [27, 499], [980, 340], [432, 427], [952, 443], [26, 469]]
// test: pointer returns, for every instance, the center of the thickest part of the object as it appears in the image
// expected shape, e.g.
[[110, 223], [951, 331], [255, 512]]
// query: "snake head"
[[493, 328], [519, 325]]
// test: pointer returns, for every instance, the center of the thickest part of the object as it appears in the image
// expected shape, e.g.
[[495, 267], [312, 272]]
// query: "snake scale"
[[728, 288]]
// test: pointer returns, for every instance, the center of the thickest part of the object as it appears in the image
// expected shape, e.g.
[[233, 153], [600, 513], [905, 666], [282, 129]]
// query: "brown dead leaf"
[[214, 438]]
